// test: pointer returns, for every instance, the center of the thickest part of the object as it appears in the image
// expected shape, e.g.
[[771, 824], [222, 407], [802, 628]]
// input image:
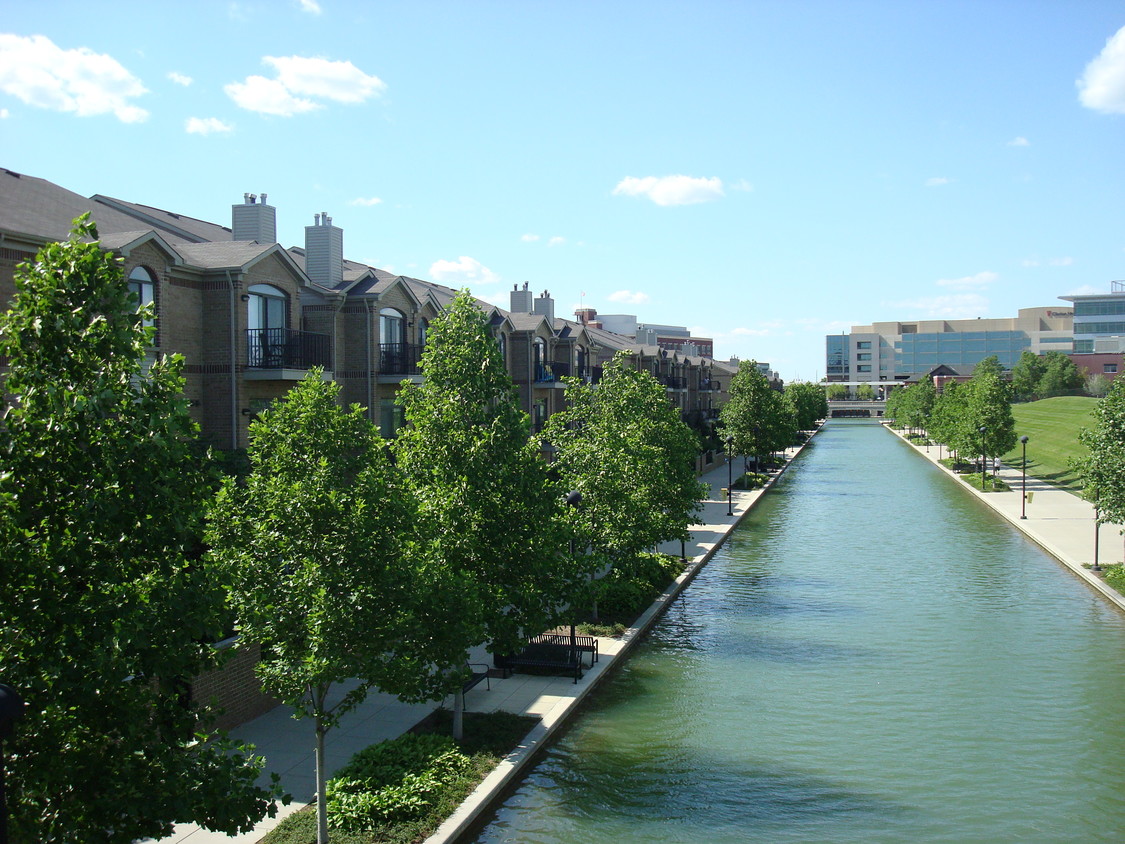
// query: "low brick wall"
[[233, 687]]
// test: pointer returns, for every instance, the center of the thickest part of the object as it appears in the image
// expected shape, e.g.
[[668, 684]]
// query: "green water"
[[873, 656]]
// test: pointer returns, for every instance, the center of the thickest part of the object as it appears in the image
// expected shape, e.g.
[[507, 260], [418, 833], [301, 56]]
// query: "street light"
[[1095, 566], [1023, 504], [730, 477], [983, 456]]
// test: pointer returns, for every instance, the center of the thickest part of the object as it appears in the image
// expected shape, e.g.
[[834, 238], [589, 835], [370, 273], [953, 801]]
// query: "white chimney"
[[521, 300], [324, 251], [253, 220], [545, 305]]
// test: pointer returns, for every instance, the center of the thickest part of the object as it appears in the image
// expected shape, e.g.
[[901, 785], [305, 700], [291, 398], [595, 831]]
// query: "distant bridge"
[[845, 409]]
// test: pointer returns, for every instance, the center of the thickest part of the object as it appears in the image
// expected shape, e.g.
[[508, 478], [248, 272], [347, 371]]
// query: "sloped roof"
[[167, 222]]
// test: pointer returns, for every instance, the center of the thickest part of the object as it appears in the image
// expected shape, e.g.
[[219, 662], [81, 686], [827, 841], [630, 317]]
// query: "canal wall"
[[1060, 523], [706, 536]]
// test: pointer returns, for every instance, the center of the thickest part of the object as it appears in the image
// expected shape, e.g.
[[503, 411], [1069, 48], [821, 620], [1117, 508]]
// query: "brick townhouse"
[[251, 318]]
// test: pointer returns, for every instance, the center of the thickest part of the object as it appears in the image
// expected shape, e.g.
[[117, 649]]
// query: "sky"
[[764, 173]]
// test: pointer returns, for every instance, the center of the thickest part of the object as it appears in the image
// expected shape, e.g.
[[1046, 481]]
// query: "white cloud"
[[300, 79], [969, 282], [529, 238], [671, 190], [1102, 86], [205, 126], [628, 297], [556, 241], [959, 306], [464, 270], [742, 185], [310, 6], [936, 181], [179, 78], [1021, 141], [4, 114], [42, 74], [1061, 262], [366, 202], [750, 332]]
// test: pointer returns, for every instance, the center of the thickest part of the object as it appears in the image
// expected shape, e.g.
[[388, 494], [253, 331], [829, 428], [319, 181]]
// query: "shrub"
[[393, 780], [1115, 577]]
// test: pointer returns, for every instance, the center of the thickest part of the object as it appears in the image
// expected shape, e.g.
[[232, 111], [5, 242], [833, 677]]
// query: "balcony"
[[399, 359], [285, 354]]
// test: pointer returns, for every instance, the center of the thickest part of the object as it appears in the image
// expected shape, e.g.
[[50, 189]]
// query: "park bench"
[[544, 655], [583, 644], [479, 672]]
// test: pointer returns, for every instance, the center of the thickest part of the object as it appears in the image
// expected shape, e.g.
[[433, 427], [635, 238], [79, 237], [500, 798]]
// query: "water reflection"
[[873, 656]]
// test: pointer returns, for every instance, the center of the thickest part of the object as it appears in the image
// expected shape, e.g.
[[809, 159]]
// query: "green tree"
[[865, 392], [1026, 375], [1097, 385], [314, 548], [1060, 376], [808, 403], [108, 610], [947, 421], [755, 416], [621, 444], [1103, 469], [989, 407], [836, 392], [488, 513], [989, 364]]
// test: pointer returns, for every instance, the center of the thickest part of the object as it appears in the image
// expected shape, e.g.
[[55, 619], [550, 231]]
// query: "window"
[[863, 368], [143, 286], [863, 344], [863, 356], [392, 327], [265, 324], [423, 331], [1109, 367], [502, 342]]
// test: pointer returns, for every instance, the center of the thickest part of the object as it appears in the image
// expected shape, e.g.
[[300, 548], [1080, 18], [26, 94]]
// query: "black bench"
[[479, 672], [583, 644], [546, 656]]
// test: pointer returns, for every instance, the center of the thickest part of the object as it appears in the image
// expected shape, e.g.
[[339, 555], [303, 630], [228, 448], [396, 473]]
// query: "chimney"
[[586, 316], [253, 220], [324, 251], [545, 305], [521, 300]]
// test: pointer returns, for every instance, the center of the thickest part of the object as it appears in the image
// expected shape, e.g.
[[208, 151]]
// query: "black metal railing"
[[284, 348], [399, 358]]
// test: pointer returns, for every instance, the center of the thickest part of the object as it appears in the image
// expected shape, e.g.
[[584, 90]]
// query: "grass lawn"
[[1052, 427]]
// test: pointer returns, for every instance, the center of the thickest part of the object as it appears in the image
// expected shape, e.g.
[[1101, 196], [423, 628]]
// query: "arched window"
[[423, 331], [581, 362], [265, 323], [142, 284], [502, 342], [541, 371], [392, 326]]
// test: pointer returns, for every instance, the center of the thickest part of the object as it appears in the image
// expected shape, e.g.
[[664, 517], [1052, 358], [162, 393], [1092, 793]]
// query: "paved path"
[[1058, 521]]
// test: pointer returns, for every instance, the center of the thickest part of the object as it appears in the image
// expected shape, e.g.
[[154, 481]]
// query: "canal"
[[872, 656]]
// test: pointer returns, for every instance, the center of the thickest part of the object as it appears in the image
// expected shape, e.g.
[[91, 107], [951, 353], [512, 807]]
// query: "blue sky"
[[762, 172]]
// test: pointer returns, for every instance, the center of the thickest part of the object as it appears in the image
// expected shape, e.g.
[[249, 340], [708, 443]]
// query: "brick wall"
[[233, 687]]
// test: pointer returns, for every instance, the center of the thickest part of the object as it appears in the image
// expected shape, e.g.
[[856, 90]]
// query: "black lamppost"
[[573, 499], [730, 476], [11, 708], [1023, 504], [983, 456], [1095, 566]]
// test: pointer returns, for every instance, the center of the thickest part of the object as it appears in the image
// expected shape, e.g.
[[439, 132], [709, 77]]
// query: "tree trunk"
[[458, 715], [321, 801]]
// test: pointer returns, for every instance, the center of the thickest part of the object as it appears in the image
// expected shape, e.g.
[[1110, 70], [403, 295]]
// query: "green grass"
[[488, 738], [1052, 427]]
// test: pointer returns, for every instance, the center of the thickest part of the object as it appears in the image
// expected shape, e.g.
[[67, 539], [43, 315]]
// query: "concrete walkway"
[[1061, 523]]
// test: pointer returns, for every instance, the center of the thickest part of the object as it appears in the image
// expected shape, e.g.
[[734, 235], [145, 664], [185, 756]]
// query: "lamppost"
[[730, 476], [573, 499], [983, 456], [1023, 504], [1095, 566]]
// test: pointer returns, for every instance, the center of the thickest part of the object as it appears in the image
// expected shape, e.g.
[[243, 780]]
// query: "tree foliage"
[[755, 416], [808, 404], [1103, 469], [108, 610], [487, 511], [621, 444], [1043, 376], [316, 550]]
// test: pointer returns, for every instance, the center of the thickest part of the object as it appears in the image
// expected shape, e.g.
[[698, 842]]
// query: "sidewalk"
[[1060, 523], [287, 743]]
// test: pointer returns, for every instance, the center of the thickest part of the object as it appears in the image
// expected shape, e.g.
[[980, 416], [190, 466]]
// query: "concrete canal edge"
[[495, 786], [1039, 535]]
